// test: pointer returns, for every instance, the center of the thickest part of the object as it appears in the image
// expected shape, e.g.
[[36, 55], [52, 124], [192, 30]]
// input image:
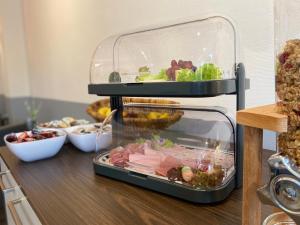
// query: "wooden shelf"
[[255, 120], [264, 117]]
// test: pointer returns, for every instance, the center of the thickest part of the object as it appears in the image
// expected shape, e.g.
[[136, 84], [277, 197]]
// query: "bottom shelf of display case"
[[163, 185]]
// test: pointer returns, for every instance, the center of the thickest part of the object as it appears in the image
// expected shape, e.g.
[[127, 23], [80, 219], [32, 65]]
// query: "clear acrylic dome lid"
[[200, 138], [197, 50]]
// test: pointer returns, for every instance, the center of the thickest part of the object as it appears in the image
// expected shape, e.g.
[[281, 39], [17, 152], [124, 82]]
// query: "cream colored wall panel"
[[12, 50], [2, 79]]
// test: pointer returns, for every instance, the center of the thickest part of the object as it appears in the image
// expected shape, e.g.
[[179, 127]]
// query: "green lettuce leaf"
[[184, 75], [208, 71], [145, 76], [168, 143]]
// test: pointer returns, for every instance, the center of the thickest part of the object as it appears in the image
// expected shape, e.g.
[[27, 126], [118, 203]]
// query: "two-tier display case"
[[190, 152]]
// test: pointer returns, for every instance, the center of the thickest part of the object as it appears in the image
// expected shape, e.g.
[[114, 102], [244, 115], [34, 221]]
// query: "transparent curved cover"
[[193, 147], [191, 51]]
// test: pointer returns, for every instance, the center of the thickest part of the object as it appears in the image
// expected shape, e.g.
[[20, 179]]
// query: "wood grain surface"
[[264, 117], [65, 191], [252, 175]]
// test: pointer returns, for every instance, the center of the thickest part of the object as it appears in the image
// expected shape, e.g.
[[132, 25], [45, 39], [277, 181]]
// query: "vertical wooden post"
[[253, 138]]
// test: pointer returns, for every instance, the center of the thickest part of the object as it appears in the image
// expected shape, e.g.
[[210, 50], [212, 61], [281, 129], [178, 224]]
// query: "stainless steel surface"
[[107, 120], [283, 162], [100, 130], [285, 192], [2, 186], [282, 191], [13, 211]]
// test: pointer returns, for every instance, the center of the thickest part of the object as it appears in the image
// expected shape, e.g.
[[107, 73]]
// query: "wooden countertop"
[[65, 191]]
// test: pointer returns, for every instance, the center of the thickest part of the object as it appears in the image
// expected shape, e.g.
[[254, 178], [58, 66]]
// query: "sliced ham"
[[116, 156], [135, 148], [152, 161], [150, 151], [191, 162], [168, 163], [148, 158]]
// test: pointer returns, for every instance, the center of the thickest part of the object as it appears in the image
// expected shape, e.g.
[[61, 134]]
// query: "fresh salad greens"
[[168, 143], [181, 71], [147, 76], [183, 75], [209, 71], [163, 142], [157, 142], [140, 140]]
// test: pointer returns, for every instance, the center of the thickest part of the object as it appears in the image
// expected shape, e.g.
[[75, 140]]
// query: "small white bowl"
[[36, 150], [87, 142]]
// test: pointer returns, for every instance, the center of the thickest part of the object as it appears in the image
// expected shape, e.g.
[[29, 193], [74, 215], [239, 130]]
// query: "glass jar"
[[287, 67], [279, 218]]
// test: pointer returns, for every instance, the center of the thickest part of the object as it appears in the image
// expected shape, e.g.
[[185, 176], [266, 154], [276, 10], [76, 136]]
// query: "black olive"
[[11, 138], [35, 131], [114, 77]]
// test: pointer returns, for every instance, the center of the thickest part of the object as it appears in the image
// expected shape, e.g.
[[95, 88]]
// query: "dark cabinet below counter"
[[65, 191]]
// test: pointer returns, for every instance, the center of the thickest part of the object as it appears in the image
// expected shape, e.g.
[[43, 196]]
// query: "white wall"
[[13, 65], [1, 64], [62, 35], [14, 80]]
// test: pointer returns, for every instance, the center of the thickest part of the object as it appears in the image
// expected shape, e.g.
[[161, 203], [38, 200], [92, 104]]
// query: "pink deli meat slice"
[[168, 163], [135, 148], [143, 158], [117, 156], [152, 161]]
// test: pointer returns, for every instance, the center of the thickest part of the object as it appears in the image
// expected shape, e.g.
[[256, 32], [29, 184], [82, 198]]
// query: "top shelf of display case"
[[168, 89], [190, 59]]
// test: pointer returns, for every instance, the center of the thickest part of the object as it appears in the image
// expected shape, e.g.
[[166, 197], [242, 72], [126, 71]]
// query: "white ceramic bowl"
[[87, 142], [36, 150]]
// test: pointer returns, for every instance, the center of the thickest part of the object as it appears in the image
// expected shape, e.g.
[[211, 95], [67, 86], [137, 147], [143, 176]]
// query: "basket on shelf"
[[141, 117]]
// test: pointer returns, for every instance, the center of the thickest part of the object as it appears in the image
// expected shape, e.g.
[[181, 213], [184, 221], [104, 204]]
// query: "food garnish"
[[114, 77], [187, 173], [208, 71], [64, 123], [184, 75], [181, 71], [34, 135], [147, 76], [171, 72], [91, 129]]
